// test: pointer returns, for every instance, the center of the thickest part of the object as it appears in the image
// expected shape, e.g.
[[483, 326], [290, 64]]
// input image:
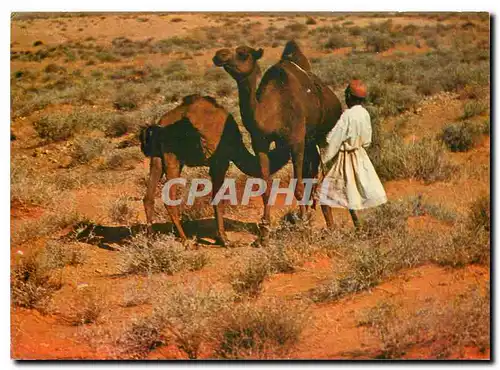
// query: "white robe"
[[350, 180]]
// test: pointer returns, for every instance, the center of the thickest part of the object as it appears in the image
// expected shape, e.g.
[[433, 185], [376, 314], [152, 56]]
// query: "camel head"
[[148, 137], [239, 64]]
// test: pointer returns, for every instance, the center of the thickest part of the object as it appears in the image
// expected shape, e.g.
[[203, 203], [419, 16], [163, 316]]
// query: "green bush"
[[460, 137]]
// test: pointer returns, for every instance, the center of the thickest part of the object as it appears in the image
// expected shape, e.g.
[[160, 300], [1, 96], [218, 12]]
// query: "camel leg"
[[217, 173], [298, 163], [155, 172], [172, 168], [312, 164]]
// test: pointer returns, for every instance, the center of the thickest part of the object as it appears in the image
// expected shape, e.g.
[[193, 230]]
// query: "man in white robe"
[[348, 178]]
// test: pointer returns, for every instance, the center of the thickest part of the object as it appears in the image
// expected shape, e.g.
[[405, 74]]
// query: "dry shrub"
[[143, 336], [382, 247], [89, 307], [31, 282], [470, 241], [474, 108], [55, 127], [460, 137], [248, 276], [377, 42], [28, 187], [392, 99], [264, 330], [446, 329], [58, 254], [128, 98], [310, 21], [121, 211], [423, 159], [48, 224], [192, 316], [119, 126], [479, 217], [125, 158], [143, 255], [291, 245], [137, 295], [336, 41], [85, 149]]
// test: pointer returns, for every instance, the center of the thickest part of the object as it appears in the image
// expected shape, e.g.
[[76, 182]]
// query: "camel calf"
[[198, 132]]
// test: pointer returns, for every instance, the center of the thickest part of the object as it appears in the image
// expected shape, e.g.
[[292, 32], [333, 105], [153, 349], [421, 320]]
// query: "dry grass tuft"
[[85, 149], [143, 336], [191, 316], [259, 331], [248, 277], [446, 329], [31, 282], [89, 308], [422, 159], [161, 254]]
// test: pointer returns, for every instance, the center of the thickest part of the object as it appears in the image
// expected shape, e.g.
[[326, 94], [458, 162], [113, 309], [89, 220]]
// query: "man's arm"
[[334, 140]]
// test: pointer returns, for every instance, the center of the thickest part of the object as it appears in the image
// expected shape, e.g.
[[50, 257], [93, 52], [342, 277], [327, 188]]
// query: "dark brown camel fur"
[[291, 107], [198, 132]]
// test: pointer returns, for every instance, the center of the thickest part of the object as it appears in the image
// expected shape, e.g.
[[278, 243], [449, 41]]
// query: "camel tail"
[[246, 161]]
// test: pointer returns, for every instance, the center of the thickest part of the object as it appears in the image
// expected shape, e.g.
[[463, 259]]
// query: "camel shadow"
[[104, 236]]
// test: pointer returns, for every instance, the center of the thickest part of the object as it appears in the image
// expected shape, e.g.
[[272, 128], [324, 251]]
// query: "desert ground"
[[86, 283]]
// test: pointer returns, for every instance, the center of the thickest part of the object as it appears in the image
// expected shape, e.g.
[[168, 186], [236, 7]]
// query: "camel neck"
[[248, 99]]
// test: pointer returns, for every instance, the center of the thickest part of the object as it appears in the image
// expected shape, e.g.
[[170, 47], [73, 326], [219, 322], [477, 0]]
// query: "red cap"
[[358, 88]]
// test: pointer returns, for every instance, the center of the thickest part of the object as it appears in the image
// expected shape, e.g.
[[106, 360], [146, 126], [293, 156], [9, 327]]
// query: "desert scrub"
[[31, 282], [268, 329], [445, 328], [382, 247], [119, 126], [58, 254], [248, 276], [310, 21], [85, 149], [62, 126], [162, 254], [336, 41], [56, 127], [460, 137], [89, 307], [392, 99], [141, 337], [28, 187], [128, 98], [474, 108], [49, 223], [120, 159], [121, 211], [377, 42], [423, 159], [191, 316], [470, 240]]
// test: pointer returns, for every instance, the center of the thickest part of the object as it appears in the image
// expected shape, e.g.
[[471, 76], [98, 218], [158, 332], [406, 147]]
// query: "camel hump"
[[292, 53]]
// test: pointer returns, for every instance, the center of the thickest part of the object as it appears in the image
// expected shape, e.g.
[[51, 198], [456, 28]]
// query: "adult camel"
[[291, 107], [198, 132]]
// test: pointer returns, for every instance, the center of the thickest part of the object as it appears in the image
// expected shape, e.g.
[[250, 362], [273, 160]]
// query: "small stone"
[[82, 286], [20, 252]]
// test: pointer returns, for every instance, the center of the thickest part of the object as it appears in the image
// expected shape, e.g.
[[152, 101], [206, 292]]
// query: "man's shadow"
[[103, 236]]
